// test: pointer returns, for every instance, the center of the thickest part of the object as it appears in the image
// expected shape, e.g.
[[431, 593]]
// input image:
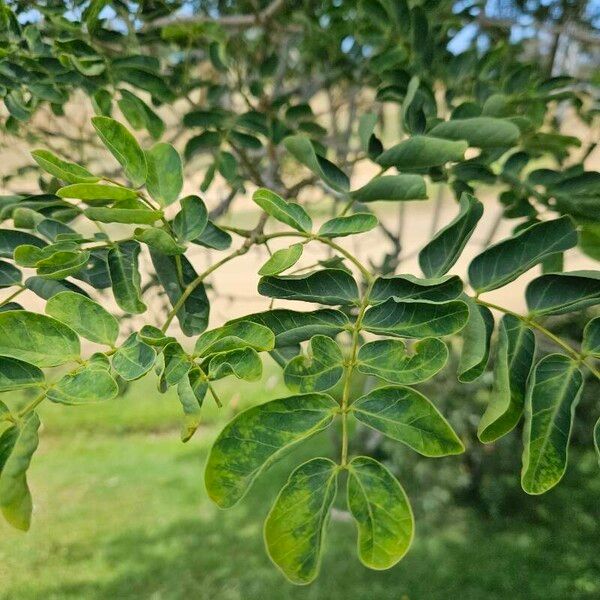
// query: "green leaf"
[[502, 263], [9, 275], [124, 147], [481, 132], [301, 148], [408, 287], [392, 188], [382, 513], [292, 327], [440, 254], [177, 363], [37, 339], [153, 336], [159, 239], [416, 319], [243, 363], [135, 213], [476, 339], [328, 286], [191, 220], [409, 417], [390, 360], [560, 293], [17, 374], [140, 115], [123, 264], [591, 338], [191, 391], [295, 526], [213, 237], [317, 372], [552, 395], [62, 169], [46, 288], [84, 316], [351, 225], [90, 383], [165, 173], [62, 264], [15, 497], [290, 213], [282, 260], [91, 192], [133, 359], [233, 336], [257, 437], [514, 359], [193, 315], [422, 152], [11, 239]]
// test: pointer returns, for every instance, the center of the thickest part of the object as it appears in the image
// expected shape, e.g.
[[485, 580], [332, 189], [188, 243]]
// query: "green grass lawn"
[[121, 512]]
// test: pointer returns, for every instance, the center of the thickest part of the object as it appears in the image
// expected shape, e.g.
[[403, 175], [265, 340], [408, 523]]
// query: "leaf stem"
[[580, 358], [349, 369], [32, 405]]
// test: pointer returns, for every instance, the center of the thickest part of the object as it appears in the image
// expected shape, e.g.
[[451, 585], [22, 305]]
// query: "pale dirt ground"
[[234, 292]]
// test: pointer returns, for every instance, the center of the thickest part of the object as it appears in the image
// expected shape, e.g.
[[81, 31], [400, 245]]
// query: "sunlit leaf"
[[392, 188], [243, 363], [191, 391], [62, 169], [482, 132], [158, 239], [422, 151], [90, 383], [233, 336], [93, 192]]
